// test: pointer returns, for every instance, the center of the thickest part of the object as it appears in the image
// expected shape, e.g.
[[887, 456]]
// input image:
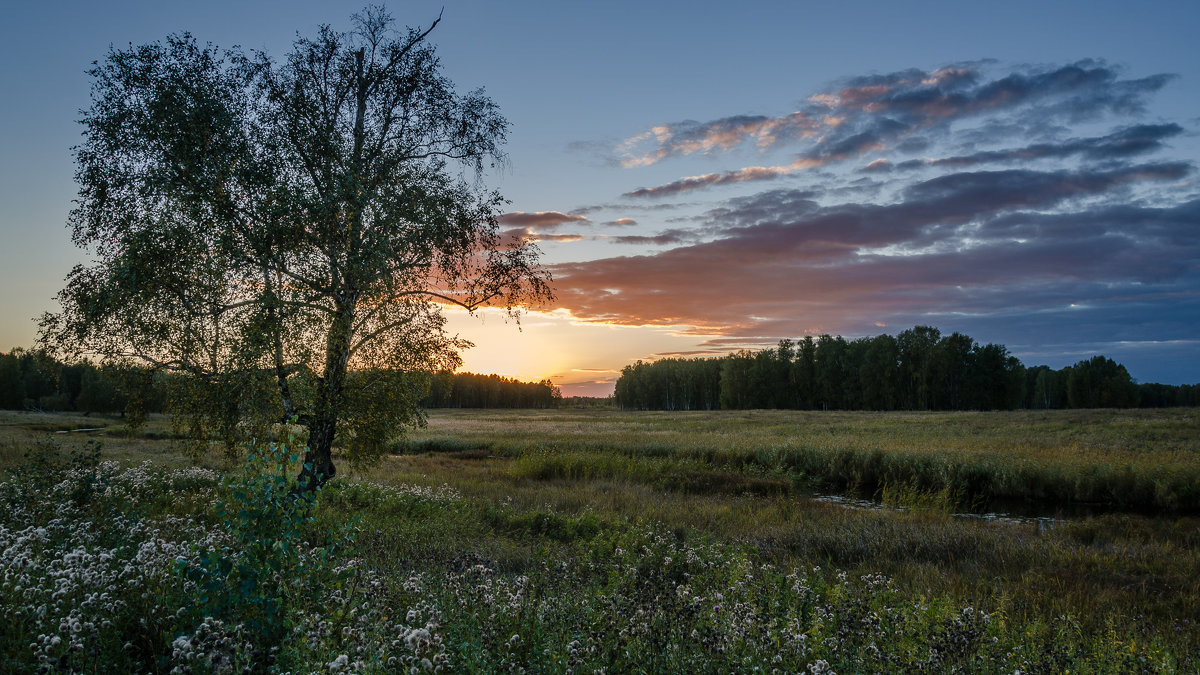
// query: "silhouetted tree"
[[917, 365], [880, 373], [1100, 382], [916, 369], [252, 220]]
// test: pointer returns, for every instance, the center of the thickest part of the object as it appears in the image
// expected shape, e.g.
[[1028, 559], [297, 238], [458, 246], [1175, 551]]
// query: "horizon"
[[705, 184]]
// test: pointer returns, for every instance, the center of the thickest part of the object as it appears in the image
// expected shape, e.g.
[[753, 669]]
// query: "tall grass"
[[1127, 460], [542, 554]]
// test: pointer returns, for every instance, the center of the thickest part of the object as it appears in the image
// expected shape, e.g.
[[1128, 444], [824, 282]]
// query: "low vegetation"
[[1139, 460], [503, 541]]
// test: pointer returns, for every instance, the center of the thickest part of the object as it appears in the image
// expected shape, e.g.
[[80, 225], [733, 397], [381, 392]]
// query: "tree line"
[[918, 369], [471, 390], [34, 380]]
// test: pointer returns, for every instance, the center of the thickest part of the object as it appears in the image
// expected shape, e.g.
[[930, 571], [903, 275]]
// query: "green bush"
[[266, 570]]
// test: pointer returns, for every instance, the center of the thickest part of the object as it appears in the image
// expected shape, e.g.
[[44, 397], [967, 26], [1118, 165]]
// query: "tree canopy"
[[267, 227], [919, 369]]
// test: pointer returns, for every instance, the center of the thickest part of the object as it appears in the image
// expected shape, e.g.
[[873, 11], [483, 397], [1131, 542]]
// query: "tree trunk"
[[318, 460]]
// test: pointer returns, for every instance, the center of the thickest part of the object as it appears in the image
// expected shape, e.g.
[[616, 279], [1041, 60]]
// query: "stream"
[[1042, 522]]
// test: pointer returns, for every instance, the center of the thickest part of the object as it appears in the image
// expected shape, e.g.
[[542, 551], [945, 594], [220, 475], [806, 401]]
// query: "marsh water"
[[1014, 512]]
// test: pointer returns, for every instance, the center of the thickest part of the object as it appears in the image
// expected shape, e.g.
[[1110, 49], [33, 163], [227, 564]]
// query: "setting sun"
[[575, 355]]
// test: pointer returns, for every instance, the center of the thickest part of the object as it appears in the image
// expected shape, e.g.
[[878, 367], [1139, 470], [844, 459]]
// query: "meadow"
[[609, 541]]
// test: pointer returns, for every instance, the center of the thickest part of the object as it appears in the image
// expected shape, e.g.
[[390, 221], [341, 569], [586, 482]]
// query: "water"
[[1042, 522]]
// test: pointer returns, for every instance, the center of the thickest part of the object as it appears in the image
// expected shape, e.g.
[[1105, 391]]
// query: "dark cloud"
[[528, 234], [1124, 143], [908, 111], [1082, 90], [753, 173], [668, 237], [1020, 229], [982, 244], [946, 197], [544, 220], [585, 210]]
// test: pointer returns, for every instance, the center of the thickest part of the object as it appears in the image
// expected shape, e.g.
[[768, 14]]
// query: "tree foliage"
[[919, 369], [471, 390], [257, 222]]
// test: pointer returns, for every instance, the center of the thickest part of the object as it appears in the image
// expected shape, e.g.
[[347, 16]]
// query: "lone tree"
[[284, 235]]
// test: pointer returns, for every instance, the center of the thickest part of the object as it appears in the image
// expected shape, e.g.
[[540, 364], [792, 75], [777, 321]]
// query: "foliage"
[[36, 380], [1100, 383], [469, 390], [315, 212], [264, 568], [437, 581], [917, 370]]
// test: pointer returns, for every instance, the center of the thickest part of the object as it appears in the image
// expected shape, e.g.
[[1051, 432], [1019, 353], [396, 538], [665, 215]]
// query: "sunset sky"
[[708, 180]]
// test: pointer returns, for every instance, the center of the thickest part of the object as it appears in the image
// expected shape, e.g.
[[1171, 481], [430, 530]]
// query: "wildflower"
[[821, 667]]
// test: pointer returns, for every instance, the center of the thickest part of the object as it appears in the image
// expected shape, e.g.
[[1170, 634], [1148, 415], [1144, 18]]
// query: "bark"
[[318, 459]]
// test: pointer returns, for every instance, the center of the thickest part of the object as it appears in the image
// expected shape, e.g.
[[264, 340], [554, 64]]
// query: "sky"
[[706, 181]]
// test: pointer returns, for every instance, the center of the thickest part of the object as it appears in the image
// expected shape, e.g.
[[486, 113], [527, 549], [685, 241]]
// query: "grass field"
[[619, 542], [1126, 460]]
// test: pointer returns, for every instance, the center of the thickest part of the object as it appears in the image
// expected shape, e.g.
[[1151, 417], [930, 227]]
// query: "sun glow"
[[583, 358]]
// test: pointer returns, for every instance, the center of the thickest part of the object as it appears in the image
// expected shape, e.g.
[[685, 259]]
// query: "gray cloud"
[[543, 220], [664, 238], [1121, 144], [972, 244], [753, 173], [1019, 228], [909, 111], [529, 234]]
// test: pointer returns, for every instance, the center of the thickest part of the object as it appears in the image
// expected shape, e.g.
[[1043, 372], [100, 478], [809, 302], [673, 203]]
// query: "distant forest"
[[919, 369], [31, 380], [469, 390]]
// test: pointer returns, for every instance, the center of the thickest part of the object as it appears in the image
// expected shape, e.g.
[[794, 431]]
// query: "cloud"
[[543, 220], [1121, 144], [968, 244], [878, 165], [648, 208], [1043, 212], [621, 222], [685, 138], [753, 173], [907, 111], [668, 237], [528, 234]]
